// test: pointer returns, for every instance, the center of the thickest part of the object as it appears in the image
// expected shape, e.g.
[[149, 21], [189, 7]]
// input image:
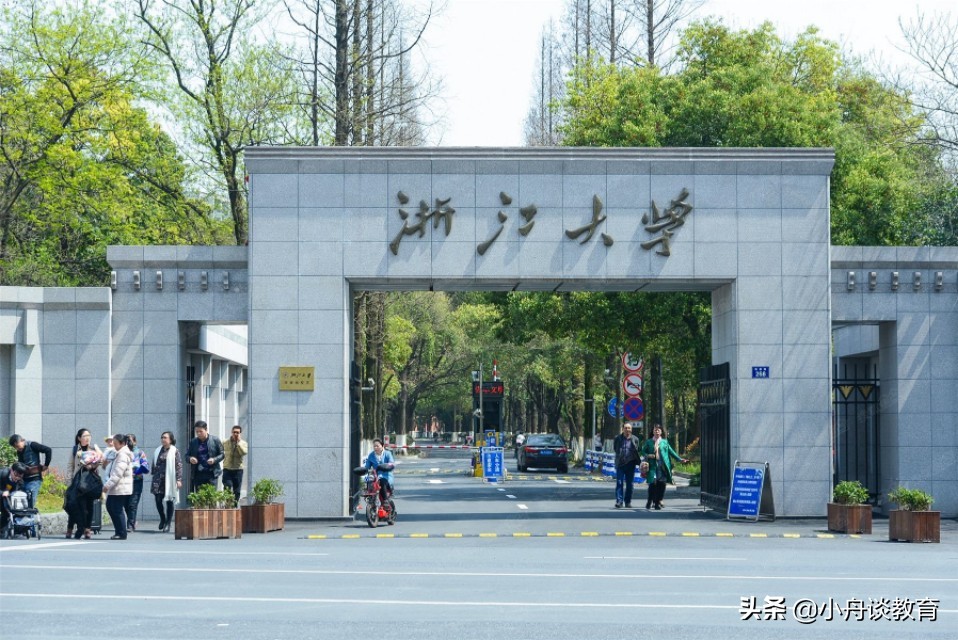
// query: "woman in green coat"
[[659, 454]]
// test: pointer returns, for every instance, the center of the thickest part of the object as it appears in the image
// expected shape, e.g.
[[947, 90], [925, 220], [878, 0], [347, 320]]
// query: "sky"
[[485, 51]]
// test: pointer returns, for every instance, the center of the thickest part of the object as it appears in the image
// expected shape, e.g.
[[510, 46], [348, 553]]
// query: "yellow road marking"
[[791, 535], [589, 534], [521, 534], [825, 535], [350, 536], [724, 535], [453, 535], [488, 535], [555, 535], [758, 535], [418, 535], [623, 533], [690, 534], [385, 535], [658, 534]]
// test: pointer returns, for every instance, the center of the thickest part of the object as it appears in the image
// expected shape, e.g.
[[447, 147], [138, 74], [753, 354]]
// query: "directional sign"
[[633, 409], [632, 363], [615, 408], [632, 385]]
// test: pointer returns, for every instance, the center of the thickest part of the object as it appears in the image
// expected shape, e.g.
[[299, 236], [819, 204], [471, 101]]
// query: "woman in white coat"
[[119, 486]]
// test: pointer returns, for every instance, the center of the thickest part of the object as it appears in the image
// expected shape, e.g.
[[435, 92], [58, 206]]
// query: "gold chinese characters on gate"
[[297, 378], [662, 225]]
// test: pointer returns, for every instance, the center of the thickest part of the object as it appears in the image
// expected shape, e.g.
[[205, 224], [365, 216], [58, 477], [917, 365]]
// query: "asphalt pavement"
[[541, 555]]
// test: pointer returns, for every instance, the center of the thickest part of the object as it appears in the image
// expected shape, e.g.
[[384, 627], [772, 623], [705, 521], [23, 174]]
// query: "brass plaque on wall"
[[297, 378]]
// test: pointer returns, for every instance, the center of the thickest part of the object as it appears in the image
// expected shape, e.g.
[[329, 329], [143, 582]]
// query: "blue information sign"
[[749, 480], [615, 408], [760, 372], [746, 492], [493, 468]]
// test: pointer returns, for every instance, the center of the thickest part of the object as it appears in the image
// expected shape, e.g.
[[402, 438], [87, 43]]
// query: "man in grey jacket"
[[626, 447]]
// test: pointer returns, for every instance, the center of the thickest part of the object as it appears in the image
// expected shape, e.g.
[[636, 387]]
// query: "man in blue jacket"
[[626, 447], [205, 455]]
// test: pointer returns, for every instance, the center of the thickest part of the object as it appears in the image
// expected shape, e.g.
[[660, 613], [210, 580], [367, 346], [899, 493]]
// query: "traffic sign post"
[[632, 385], [632, 363], [493, 469], [615, 408], [633, 408], [751, 494]]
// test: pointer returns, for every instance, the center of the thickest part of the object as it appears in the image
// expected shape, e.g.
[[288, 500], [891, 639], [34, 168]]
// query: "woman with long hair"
[[659, 454], [86, 458], [141, 467], [167, 479]]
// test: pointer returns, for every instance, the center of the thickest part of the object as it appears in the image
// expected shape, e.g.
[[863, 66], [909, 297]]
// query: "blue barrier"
[[605, 463]]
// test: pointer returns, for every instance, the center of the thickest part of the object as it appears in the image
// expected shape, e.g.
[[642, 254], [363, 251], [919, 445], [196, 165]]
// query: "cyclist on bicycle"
[[381, 460]]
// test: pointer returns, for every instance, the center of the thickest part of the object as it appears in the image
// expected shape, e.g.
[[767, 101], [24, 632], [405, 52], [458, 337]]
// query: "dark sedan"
[[544, 450]]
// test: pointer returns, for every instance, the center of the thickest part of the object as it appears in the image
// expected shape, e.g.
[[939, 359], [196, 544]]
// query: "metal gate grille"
[[714, 420], [855, 426]]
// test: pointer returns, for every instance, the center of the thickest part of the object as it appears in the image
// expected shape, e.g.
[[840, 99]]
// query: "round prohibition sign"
[[633, 408], [632, 363], [632, 385]]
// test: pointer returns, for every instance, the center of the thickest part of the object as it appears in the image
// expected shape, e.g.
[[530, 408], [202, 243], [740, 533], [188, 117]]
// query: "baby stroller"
[[24, 519]]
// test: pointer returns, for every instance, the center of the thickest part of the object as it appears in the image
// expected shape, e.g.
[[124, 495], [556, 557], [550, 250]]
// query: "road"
[[543, 556]]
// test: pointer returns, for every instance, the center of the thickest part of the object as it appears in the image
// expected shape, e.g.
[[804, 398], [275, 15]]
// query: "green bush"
[[8, 455], [208, 497], [911, 499], [266, 490], [850, 492]]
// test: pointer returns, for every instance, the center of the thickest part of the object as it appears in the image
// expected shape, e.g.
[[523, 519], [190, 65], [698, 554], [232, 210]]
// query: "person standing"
[[167, 479], [119, 486], [626, 447], [234, 453], [520, 440], [205, 455], [141, 467], [86, 458], [659, 454], [29, 453]]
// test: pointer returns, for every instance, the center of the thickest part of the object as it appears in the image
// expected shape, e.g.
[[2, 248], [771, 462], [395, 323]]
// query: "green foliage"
[[83, 165], [850, 492], [266, 490], [752, 89], [208, 497], [911, 499], [8, 455]]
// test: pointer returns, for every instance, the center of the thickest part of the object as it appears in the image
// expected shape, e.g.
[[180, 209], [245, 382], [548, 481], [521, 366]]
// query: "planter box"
[[914, 526], [208, 524], [261, 518], [850, 518]]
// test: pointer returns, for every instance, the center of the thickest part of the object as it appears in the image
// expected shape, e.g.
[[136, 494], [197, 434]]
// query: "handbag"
[[90, 484]]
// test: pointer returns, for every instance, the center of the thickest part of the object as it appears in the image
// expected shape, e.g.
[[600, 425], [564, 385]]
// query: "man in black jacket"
[[29, 454], [626, 447], [10, 480], [205, 455]]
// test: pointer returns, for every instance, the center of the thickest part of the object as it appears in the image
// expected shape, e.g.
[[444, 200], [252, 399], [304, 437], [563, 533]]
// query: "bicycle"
[[378, 506]]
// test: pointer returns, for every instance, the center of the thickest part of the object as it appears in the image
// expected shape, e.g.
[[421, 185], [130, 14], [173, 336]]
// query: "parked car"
[[544, 450]]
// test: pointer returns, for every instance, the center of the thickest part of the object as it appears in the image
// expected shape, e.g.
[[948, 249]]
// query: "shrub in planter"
[[266, 490], [264, 514], [913, 522], [849, 512], [212, 514]]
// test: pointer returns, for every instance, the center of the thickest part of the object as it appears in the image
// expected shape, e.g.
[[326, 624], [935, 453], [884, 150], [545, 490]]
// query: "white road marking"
[[510, 496], [468, 574], [40, 546], [522, 506], [638, 559], [424, 603], [435, 482], [561, 481], [434, 469]]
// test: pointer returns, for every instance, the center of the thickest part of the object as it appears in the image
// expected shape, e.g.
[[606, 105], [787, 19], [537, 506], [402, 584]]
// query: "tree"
[[82, 166], [751, 89], [932, 42], [229, 92]]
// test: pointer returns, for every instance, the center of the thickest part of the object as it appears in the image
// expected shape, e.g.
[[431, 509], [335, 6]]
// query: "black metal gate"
[[855, 425], [714, 425]]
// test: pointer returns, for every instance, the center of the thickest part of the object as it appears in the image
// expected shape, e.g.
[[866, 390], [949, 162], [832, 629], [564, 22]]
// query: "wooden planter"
[[208, 524], [850, 518], [261, 518], [914, 526]]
